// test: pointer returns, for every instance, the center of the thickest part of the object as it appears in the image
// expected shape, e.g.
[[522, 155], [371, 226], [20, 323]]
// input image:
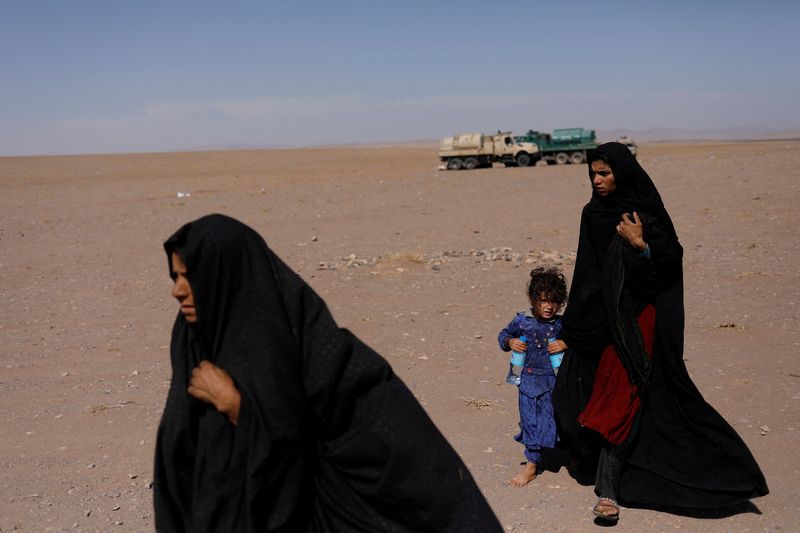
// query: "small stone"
[[115, 508], [91, 465], [87, 512]]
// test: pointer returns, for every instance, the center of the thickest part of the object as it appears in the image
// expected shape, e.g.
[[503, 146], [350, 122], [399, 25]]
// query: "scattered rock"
[[436, 259], [477, 403]]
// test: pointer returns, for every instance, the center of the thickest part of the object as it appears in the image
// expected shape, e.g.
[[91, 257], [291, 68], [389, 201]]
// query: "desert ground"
[[426, 266]]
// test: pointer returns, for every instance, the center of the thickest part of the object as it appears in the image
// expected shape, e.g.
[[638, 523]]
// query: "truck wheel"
[[562, 158], [523, 160], [455, 164], [470, 163], [577, 158]]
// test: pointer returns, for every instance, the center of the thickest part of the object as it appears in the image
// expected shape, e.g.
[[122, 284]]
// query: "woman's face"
[[182, 291], [602, 178]]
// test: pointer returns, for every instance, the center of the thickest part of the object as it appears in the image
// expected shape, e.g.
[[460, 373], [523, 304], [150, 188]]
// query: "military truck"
[[566, 145], [475, 150]]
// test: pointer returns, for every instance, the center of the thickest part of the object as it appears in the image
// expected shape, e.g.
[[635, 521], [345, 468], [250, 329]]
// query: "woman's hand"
[[213, 385], [631, 231], [556, 346], [517, 345]]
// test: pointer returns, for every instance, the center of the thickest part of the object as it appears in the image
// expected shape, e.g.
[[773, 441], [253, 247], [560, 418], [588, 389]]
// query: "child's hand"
[[556, 346], [517, 345]]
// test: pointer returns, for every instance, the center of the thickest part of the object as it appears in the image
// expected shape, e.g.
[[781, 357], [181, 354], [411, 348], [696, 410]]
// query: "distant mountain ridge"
[[685, 134]]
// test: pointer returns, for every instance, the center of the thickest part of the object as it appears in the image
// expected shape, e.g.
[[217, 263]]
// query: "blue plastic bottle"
[[516, 364], [555, 358]]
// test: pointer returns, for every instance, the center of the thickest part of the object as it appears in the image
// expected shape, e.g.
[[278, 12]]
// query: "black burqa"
[[328, 438], [681, 452]]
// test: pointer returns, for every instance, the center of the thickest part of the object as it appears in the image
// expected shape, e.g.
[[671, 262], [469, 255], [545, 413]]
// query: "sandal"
[[602, 508]]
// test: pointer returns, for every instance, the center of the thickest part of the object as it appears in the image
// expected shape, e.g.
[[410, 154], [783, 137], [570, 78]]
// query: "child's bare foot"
[[526, 475]]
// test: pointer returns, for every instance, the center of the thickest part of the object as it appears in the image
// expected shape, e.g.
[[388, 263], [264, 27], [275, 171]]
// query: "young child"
[[547, 291]]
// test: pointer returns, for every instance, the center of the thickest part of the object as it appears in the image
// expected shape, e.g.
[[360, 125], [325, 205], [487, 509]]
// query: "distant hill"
[[681, 134]]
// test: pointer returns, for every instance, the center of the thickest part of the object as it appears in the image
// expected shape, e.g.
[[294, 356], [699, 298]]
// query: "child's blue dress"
[[537, 421]]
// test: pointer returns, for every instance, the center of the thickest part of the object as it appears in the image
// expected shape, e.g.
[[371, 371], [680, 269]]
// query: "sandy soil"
[[425, 266]]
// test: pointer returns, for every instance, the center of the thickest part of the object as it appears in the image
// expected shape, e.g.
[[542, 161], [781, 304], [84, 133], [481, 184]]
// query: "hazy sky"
[[84, 76]]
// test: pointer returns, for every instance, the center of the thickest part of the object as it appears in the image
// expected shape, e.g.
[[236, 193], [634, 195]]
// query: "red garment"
[[614, 403]]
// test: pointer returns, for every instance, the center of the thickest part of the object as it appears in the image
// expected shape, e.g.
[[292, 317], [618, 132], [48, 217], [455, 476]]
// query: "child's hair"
[[550, 282]]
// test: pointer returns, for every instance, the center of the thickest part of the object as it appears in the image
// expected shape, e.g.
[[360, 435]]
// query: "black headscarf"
[[328, 438], [681, 452]]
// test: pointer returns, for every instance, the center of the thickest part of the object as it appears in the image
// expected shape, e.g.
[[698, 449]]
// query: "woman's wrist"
[[231, 405]]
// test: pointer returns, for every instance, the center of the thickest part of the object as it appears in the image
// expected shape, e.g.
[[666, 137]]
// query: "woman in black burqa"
[[324, 437], [623, 387]]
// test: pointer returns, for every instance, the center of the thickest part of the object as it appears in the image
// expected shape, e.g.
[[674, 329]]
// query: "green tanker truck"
[[565, 145]]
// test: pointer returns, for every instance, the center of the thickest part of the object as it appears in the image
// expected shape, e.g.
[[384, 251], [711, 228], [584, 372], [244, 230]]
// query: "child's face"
[[544, 308]]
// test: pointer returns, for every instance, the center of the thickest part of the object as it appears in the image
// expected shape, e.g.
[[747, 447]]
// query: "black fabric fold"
[[328, 437], [622, 317]]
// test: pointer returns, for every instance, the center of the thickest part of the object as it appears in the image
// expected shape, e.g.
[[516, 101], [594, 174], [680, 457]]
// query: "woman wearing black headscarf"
[[623, 387], [279, 420]]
